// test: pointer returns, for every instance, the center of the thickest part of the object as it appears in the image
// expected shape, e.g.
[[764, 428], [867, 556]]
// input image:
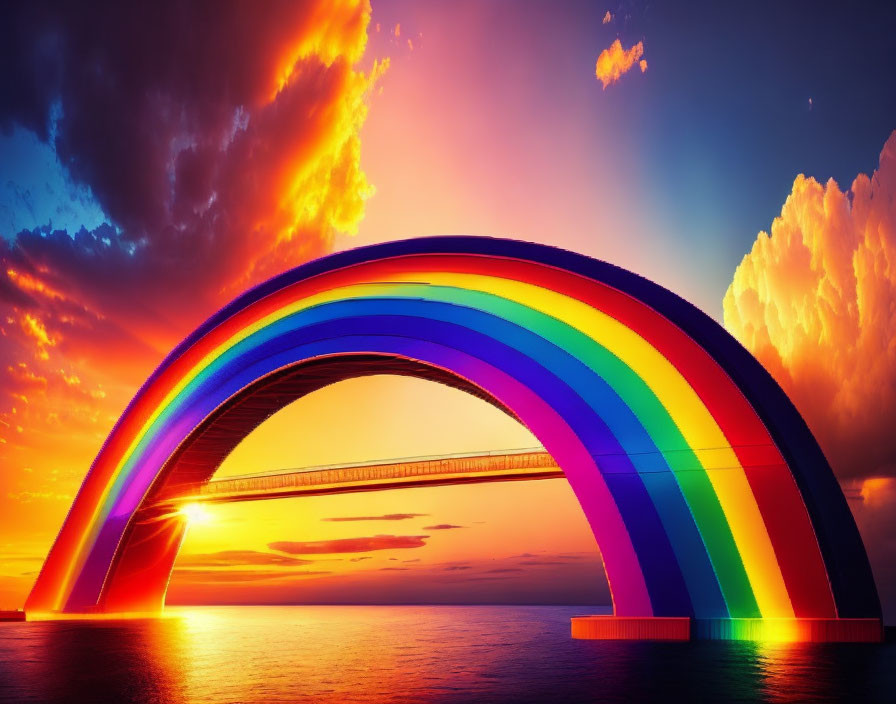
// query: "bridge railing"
[[470, 465]]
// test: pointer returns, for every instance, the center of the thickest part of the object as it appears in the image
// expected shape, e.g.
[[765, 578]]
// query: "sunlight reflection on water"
[[410, 654]]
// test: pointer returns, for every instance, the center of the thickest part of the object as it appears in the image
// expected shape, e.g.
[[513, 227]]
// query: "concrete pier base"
[[783, 630], [630, 628]]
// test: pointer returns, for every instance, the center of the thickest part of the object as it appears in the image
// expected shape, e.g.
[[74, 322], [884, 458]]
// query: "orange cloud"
[[385, 517], [20, 376], [343, 545], [232, 558], [873, 503], [188, 576], [615, 61], [34, 328], [29, 283], [814, 301], [871, 490]]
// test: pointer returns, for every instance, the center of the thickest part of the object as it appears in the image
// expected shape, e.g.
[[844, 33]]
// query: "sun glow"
[[196, 514]]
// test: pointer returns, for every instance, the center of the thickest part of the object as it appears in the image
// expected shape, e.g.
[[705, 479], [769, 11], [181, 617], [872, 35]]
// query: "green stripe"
[[690, 473]]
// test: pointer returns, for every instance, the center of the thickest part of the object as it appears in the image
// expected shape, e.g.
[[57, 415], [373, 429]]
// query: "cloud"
[[20, 557], [346, 545], [236, 576], [237, 147], [814, 301], [227, 157], [873, 503], [442, 526], [231, 558], [540, 563], [615, 61], [607, 18], [27, 497], [385, 517]]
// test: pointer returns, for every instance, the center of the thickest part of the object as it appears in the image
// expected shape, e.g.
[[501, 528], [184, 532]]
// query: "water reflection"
[[411, 654], [800, 672], [103, 661]]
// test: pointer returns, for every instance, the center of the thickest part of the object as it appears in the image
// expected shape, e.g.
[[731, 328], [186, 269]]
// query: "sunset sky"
[[150, 172]]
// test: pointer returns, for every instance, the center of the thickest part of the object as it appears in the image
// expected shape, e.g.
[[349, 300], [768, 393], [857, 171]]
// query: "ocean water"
[[411, 654]]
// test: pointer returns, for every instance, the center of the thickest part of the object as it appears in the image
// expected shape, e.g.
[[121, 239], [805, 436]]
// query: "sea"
[[412, 654]]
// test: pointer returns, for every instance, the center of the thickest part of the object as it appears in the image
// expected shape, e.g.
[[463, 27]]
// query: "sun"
[[196, 514]]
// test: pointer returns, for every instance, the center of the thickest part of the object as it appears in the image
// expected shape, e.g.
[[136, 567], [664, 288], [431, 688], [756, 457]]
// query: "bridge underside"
[[138, 577], [200, 456], [472, 468]]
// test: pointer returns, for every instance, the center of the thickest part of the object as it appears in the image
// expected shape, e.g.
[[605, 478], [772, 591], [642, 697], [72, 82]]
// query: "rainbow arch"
[[707, 494]]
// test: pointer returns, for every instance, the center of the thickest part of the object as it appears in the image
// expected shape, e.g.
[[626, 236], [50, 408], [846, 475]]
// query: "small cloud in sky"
[[20, 557], [385, 517], [235, 576], [341, 545], [608, 17], [541, 563], [615, 61], [442, 526], [230, 558]]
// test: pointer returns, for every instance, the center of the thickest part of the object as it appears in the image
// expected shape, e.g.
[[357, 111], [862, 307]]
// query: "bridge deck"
[[516, 465]]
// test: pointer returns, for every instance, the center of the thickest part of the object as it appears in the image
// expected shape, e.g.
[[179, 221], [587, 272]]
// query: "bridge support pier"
[[805, 630], [630, 628]]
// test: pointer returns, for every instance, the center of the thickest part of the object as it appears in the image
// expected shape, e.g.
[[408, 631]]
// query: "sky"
[[148, 174]]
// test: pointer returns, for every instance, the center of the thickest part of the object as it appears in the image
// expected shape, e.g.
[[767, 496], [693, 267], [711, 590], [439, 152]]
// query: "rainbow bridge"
[[715, 511]]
